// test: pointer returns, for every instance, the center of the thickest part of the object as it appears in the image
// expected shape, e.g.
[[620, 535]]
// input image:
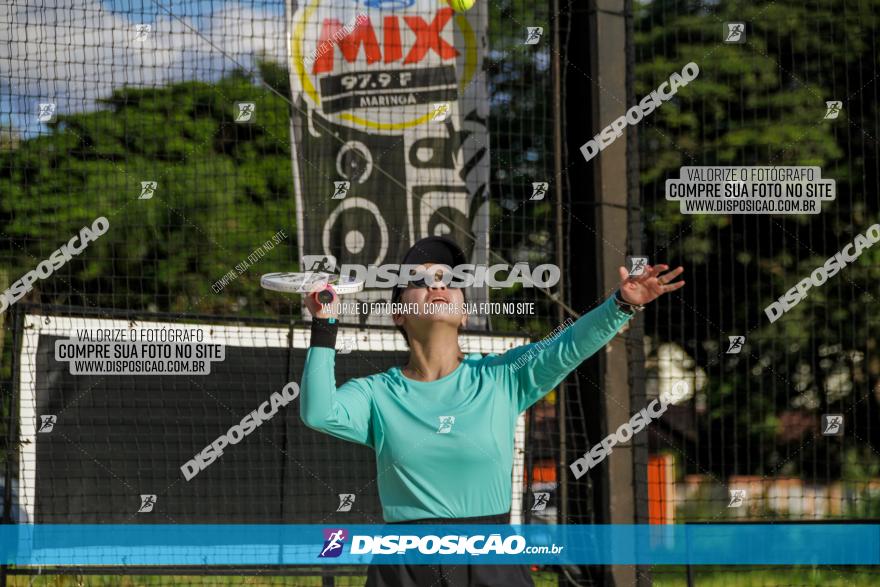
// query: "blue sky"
[[71, 52], [147, 10]]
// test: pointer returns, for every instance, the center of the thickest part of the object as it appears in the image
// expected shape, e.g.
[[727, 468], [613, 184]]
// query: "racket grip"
[[326, 296]]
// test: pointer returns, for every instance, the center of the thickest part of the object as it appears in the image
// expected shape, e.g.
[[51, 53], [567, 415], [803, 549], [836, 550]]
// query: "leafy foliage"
[[763, 103], [223, 189]]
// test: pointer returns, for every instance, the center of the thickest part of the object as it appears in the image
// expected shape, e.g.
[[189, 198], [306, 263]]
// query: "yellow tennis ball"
[[461, 5]]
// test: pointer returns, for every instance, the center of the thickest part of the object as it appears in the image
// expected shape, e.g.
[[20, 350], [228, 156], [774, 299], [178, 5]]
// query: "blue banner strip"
[[171, 544]]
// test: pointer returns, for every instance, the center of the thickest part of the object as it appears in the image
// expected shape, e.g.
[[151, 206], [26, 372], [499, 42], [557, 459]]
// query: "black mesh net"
[[157, 158]]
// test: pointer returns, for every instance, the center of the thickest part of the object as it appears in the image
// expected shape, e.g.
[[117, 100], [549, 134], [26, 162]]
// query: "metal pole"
[[635, 349], [558, 111], [16, 319], [609, 71]]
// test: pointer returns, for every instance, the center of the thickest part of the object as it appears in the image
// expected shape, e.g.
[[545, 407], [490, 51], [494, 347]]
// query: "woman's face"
[[431, 307]]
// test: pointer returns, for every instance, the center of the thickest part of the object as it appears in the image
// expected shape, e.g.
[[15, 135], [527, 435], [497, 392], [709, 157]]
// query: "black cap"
[[432, 249]]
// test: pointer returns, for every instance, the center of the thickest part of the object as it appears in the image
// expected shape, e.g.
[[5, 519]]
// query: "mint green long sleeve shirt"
[[444, 449]]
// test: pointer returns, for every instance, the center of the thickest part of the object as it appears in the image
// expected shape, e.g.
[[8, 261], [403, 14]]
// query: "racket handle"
[[326, 296]]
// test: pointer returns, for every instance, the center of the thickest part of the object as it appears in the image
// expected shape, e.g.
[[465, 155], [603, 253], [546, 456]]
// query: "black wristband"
[[624, 306], [324, 332]]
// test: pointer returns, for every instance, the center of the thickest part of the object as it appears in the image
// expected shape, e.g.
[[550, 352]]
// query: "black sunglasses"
[[438, 278]]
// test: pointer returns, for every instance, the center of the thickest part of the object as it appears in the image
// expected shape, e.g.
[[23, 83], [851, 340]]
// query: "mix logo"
[[832, 424], [737, 498], [637, 266], [334, 539], [148, 189], [395, 64], [832, 109], [533, 35], [734, 32], [446, 423], [541, 501], [147, 503], [246, 111], [539, 190], [47, 422], [340, 190], [427, 37], [346, 500], [735, 345], [46, 112]]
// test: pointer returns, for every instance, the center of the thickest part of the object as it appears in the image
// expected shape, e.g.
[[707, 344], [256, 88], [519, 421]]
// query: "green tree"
[[223, 189], [762, 103], [9, 138]]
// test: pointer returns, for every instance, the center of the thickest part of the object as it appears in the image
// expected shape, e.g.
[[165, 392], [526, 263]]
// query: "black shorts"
[[451, 575]]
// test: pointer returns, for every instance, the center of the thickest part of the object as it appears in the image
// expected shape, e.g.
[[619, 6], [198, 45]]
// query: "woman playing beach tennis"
[[443, 425]]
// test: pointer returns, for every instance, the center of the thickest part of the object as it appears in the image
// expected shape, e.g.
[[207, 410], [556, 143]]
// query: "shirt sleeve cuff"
[[324, 332], [617, 314]]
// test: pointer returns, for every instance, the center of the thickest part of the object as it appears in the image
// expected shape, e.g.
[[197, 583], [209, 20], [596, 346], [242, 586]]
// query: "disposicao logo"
[[334, 538]]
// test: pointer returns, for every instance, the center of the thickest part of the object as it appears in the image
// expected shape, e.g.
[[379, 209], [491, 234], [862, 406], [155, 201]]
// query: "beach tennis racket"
[[322, 285]]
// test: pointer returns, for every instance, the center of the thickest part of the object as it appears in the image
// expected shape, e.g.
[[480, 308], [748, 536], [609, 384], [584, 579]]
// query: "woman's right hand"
[[317, 309]]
